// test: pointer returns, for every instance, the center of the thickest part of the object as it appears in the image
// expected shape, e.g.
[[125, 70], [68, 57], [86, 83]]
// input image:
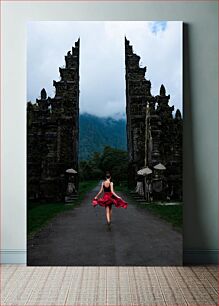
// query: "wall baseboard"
[[190, 257], [200, 257], [13, 256]]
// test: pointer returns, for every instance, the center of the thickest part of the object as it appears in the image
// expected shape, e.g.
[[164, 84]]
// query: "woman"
[[109, 198]]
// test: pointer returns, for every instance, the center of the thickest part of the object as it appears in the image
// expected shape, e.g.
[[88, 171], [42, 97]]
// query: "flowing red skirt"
[[107, 199]]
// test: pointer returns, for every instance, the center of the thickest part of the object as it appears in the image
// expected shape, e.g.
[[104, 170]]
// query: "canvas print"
[[104, 143]]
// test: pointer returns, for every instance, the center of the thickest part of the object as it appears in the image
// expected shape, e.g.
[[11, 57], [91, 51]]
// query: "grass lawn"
[[171, 213], [122, 186], [40, 214]]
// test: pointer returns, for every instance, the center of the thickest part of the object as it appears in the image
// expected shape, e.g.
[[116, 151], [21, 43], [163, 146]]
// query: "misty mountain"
[[97, 132]]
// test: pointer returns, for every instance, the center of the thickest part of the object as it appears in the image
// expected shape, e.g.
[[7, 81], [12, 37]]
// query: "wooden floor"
[[22, 285]]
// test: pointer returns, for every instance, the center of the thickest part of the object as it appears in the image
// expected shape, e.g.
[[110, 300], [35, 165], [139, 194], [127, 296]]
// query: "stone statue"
[[71, 186]]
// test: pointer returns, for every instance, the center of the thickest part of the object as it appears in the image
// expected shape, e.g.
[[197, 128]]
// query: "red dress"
[[109, 198]]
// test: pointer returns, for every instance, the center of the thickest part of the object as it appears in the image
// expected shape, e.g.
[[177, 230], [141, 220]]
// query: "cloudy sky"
[[102, 59]]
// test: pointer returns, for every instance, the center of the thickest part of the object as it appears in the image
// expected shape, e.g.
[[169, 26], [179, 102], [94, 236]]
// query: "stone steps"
[[71, 199]]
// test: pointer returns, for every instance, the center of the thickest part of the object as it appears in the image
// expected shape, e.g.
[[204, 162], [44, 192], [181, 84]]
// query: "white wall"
[[200, 111]]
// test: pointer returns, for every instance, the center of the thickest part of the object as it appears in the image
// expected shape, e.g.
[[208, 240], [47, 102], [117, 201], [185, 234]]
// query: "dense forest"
[[111, 159], [95, 133]]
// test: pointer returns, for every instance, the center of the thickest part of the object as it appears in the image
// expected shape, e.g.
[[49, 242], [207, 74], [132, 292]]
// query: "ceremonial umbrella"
[[144, 171], [160, 167], [71, 171]]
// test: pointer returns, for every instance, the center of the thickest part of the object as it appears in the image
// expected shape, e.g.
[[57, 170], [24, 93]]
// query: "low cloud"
[[102, 59]]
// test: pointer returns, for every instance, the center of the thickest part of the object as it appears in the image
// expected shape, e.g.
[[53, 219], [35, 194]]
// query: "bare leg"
[[107, 214], [111, 212]]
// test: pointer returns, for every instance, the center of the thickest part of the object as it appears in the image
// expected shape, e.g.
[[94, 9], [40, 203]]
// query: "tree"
[[113, 160]]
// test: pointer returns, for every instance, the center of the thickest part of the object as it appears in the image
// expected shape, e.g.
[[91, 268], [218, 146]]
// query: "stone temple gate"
[[53, 134], [153, 135]]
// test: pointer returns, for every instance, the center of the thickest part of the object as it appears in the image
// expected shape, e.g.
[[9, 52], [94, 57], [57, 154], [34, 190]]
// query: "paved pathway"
[[81, 238]]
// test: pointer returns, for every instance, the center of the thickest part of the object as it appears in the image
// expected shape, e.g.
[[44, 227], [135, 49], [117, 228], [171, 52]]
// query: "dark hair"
[[107, 176]]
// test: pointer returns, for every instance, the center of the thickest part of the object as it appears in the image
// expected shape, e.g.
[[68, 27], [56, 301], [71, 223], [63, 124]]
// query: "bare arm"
[[112, 190], [101, 189]]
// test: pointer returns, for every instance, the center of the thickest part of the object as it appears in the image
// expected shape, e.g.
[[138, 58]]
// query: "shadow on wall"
[[192, 226]]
